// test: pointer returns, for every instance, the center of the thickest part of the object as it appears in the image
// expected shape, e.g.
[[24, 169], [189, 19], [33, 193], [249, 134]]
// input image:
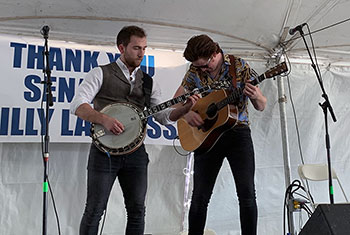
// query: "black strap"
[[147, 88], [232, 71]]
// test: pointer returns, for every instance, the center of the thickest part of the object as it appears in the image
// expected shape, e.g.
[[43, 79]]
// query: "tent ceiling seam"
[[159, 23], [325, 7]]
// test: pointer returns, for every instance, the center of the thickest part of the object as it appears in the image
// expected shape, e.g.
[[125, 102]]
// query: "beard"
[[132, 62]]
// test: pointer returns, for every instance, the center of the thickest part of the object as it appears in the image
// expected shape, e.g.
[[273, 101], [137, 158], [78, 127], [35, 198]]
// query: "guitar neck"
[[234, 96], [179, 99], [238, 92]]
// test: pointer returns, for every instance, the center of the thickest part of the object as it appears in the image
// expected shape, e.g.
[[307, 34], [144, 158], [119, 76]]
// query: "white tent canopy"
[[254, 30], [251, 28]]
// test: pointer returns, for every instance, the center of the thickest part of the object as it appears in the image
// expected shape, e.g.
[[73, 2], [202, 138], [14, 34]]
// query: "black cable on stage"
[[176, 150], [289, 195]]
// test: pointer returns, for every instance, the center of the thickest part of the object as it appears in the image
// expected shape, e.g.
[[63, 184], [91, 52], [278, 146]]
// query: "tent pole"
[[282, 100]]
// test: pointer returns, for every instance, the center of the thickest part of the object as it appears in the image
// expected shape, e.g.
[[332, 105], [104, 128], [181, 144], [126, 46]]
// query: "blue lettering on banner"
[[34, 92], [4, 121], [42, 119], [150, 65], [143, 66], [35, 59], [30, 122], [155, 132], [16, 121], [169, 134], [65, 124], [74, 60], [17, 56], [56, 58], [112, 58], [66, 89], [90, 61], [81, 128], [35, 56]]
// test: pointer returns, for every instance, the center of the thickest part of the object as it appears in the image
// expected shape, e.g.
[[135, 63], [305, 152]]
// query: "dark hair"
[[125, 34], [200, 46]]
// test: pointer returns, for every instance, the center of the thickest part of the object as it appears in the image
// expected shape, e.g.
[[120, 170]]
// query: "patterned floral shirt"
[[196, 78]]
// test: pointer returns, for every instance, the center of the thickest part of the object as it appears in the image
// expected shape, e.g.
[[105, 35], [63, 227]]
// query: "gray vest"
[[116, 88]]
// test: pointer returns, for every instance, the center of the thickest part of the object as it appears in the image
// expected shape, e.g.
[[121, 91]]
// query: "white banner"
[[23, 103]]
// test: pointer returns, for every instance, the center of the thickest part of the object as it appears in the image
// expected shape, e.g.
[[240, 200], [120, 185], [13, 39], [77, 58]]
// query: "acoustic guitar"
[[214, 109]]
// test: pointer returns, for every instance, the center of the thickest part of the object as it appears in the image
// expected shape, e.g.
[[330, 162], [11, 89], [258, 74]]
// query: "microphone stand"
[[325, 107], [47, 81]]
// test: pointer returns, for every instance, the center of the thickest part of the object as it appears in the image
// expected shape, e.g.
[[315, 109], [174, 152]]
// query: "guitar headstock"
[[217, 85], [276, 70]]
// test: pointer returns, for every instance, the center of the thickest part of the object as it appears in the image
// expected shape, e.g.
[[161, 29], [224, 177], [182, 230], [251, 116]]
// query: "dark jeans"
[[131, 171], [236, 145]]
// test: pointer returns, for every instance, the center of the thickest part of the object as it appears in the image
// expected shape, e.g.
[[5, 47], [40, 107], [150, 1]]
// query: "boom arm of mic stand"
[[325, 106]]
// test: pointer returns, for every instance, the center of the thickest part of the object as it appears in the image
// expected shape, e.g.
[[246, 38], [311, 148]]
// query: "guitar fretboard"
[[238, 92]]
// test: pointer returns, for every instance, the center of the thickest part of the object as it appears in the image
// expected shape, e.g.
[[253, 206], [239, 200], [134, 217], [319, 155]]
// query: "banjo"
[[134, 121]]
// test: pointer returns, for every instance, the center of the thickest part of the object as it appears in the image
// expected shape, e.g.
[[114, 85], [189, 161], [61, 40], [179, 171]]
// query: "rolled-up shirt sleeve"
[[88, 89], [163, 116]]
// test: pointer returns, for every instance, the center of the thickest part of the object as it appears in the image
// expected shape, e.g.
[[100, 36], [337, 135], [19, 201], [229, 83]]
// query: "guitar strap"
[[147, 88], [232, 70]]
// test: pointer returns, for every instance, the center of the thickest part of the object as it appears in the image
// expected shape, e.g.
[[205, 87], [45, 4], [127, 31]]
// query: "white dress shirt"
[[92, 83]]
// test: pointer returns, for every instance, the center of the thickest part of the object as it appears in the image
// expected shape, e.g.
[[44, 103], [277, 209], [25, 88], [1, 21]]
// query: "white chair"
[[317, 172], [209, 232]]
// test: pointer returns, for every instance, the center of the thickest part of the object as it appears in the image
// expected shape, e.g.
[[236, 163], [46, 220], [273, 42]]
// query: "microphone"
[[297, 28], [45, 30]]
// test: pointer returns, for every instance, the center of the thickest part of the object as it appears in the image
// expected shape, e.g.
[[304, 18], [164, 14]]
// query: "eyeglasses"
[[205, 66]]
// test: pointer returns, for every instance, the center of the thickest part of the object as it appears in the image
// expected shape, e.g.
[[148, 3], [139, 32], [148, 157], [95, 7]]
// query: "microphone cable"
[[176, 148], [289, 195]]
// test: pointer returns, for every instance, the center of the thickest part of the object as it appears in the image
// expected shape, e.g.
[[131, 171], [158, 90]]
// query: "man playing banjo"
[[119, 82]]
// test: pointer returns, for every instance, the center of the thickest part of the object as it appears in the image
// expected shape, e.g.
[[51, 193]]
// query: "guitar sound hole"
[[208, 123], [212, 111]]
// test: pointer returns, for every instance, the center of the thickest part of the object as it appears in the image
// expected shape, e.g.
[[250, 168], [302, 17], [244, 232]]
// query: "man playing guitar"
[[210, 64]]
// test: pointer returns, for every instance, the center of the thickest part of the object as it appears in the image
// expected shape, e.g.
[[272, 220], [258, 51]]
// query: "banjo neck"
[[182, 98]]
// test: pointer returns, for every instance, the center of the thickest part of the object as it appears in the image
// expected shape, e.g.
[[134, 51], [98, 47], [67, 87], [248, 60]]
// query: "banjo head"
[[130, 139]]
